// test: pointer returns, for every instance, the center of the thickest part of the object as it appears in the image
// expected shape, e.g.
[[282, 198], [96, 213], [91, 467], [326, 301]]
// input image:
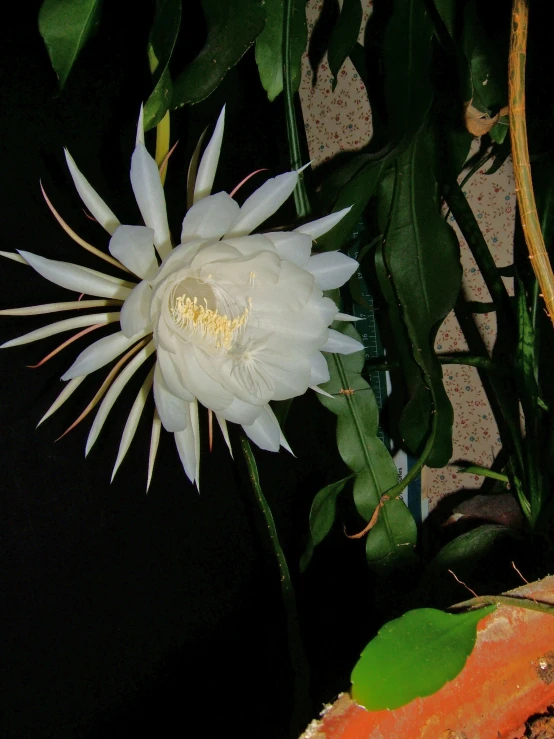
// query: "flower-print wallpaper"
[[340, 120]]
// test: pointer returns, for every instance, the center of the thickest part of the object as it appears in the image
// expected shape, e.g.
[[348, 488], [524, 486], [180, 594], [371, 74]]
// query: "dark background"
[[126, 611]]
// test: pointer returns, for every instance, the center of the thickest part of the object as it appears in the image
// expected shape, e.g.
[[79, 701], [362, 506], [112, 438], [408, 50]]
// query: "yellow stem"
[[520, 152]]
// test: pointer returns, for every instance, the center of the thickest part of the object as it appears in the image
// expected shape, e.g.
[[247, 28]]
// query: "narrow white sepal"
[[282, 440], [68, 390], [133, 421], [195, 425], [114, 391], [224, 432], [346, 317], [134, 247], [338, 343], [208, 164], [317, 389], [154, 443], [76, 278], [99, 354], [13, 257], [315, 229], [92, 200], [140, 127], [60, 326]]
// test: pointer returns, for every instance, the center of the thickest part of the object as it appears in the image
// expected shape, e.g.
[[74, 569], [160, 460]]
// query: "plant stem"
[[506, 600], [301, 201], [297, 656], [520, 150]]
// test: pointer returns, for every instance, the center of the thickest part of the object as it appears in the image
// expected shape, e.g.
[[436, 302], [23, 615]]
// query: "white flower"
[[235, 320]]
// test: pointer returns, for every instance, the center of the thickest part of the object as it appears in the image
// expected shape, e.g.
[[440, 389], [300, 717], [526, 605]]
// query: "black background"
[[126, 611]]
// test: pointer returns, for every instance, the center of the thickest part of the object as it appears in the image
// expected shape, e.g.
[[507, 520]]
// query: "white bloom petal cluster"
[[235, 319]]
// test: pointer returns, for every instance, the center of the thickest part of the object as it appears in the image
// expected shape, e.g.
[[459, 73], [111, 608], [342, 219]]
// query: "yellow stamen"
[[210, 324]]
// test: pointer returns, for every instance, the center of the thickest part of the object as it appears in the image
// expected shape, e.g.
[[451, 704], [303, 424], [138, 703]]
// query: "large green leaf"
[[66, 27], [269, 46], [365, 454], [407, 55], [344, 36], [160, 48], [233, 26], [414, 656], [421, 257]]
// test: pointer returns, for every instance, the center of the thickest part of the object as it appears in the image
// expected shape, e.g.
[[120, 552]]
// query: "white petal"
[[171, 375], [210, 218], [76, 278], [187, 446], [208, 165], [149, 194], [194, 422], [294, 247], [331, 269], [135, 312], [173, 411], [263, 203], [322, 225], [347, 317], [60, 326], [209, 392], [320, 370], [264, 432], [338, 343], [90, 197], [284, 443], [133, 420], [114, 391], [134, 247], [241, 412], [100, 353]]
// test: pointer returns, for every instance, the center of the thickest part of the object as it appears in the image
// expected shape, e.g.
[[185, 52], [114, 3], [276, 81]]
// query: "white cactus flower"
[[229, 320]]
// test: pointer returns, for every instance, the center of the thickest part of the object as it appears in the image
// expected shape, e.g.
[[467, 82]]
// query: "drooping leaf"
[[414, 656], [322, 517], [160, 49], [344, 36], [365, 454], [233, 26], [422, 267], [66, 27], [269, 46], [407, 56]]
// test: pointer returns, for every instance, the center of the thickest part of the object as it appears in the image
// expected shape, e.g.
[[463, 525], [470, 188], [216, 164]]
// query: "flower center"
[[197, 316]]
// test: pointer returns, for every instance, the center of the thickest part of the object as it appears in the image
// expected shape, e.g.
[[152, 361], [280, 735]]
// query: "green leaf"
[[355, 193], [161, 43], [269, 46], [414, 656], [422, 265], [233, 26], [65, 28], [407, 56], [365, 454], [322, 517], [485, 56], [344, 36]]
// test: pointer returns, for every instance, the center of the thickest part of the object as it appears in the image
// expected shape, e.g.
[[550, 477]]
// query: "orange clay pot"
[[507, 678]]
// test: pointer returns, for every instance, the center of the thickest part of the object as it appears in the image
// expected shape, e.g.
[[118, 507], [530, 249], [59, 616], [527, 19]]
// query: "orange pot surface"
[[508, 677]]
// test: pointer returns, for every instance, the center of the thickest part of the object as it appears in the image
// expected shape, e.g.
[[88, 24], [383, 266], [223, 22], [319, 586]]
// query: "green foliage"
[[66, 27], [390, 542], [420, 261], [269, 46], [233, 26], [161, 43], [344, 36], [414, 656]]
